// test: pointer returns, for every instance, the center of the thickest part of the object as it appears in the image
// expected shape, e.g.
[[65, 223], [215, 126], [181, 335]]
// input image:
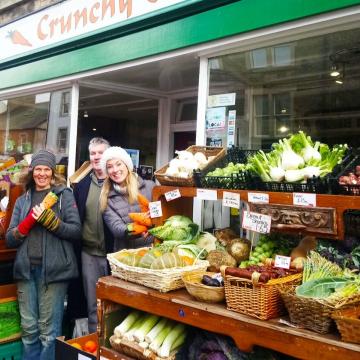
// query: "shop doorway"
[[150, 108]]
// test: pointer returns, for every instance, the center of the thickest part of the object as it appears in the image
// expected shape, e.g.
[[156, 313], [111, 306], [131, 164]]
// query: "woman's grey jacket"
[[116, 216], [58, 261]]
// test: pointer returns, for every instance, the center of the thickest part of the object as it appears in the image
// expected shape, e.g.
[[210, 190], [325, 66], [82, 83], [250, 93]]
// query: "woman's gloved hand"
[[26, 225], [48, 219]]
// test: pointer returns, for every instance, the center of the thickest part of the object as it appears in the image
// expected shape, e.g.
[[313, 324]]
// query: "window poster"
[[215, 118]]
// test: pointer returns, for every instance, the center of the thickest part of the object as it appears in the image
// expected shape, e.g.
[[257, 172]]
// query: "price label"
[[172, 195], [282, 261], [205, 194], [304, 199], [155, 209], [231, 200], [258, 198], [256, 222]]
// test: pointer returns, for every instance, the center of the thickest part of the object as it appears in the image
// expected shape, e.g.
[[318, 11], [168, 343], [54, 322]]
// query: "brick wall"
[[11, 10]]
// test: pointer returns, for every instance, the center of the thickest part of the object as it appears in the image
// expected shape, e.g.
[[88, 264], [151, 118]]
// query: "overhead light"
[[339, 81], [86, 114], [94, 129], [283, 129], [334, 71]]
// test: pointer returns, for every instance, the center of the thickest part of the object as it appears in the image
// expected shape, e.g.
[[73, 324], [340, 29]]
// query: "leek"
[[176, 332], [129, 335], [144, 344], [150, 337], [178, 342], [126, 324], [156, 344], [148, 324]]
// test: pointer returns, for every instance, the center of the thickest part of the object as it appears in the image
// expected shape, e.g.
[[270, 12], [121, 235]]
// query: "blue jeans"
[[41, 309]]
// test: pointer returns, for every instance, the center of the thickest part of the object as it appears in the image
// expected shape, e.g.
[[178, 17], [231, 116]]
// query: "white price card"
[[231, 199], [256, 222], [304, 199], [282, 261], [258, 198], [155, 209], [83, 357], [172, 195], [205, 194]]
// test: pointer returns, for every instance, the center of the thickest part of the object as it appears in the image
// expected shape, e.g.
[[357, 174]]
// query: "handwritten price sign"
[[172, 195], [282, 261], [155, 209], [258, 198], [304, 199], [256, 222], [231, 199]]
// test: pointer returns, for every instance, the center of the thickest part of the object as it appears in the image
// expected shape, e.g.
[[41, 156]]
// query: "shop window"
[[62, 140], [291, 85], [186, 110], [31, 122], [65, 104], [282, 55]]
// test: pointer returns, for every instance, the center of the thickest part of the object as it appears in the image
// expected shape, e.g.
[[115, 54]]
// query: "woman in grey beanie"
[[119, 197], [42, 228]]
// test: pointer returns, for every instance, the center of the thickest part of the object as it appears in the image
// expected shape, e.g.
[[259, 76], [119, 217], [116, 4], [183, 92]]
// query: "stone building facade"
[[11, 10]]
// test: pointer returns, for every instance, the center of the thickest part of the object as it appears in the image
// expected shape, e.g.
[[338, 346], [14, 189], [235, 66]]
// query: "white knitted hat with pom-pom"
[[116, 152]]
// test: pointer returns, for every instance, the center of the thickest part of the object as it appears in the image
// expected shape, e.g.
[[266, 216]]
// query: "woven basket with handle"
[[262, 301], [348, 323]]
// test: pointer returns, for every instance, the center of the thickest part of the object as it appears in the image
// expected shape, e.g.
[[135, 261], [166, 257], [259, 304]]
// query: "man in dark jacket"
[[97, 240]]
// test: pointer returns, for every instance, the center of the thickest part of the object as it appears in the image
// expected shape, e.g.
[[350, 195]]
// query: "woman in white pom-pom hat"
[[119, 197]]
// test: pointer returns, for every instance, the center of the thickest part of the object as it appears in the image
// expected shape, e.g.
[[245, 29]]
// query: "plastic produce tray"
[[240, 181], [341, 189]]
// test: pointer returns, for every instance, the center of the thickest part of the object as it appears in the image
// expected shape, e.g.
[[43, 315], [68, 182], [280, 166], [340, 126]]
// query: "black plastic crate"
[[238, 181], [315, 185], [342, 189], [352, 222]]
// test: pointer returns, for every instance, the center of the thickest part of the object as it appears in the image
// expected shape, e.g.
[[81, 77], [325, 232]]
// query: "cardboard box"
[[80, 173], [65, 351]]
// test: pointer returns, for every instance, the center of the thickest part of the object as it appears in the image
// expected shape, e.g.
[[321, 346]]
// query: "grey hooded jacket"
[[116, 216], [58, 262]]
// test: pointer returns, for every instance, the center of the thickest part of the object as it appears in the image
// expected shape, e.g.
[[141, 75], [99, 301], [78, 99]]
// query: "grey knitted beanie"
[[45, 158]]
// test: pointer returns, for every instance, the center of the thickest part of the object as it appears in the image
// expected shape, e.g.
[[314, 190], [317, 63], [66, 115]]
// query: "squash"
[[168, 260], [150, 257], [306, 244]]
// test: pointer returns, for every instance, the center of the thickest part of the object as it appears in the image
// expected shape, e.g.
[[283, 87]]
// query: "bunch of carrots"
[[141, 221]]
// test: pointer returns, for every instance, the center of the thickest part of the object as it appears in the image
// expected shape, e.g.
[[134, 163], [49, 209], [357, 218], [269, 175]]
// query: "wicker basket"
[[216, 152], [200, 291], [348, 324], [307, 312], [262, 301], [135, 351], [163, 280]]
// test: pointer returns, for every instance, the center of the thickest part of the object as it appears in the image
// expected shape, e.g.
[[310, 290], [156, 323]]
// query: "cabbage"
[[206, 241], [178, 228]]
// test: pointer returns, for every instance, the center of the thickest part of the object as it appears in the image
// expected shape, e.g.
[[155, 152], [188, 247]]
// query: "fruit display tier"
[[246, 331], [325, 220]]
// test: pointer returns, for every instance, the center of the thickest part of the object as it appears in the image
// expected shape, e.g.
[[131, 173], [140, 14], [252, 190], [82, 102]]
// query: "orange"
[[76, 345], [90, 346]]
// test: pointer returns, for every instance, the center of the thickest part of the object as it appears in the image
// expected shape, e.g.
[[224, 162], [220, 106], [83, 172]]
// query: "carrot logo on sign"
[[17, 38]]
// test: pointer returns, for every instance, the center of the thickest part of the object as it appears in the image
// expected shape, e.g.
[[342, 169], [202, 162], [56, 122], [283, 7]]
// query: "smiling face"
[[42, 176], [96, 151], [117, 171]]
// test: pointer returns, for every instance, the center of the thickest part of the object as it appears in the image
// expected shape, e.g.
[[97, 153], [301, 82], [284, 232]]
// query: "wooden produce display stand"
[[245, 330]]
